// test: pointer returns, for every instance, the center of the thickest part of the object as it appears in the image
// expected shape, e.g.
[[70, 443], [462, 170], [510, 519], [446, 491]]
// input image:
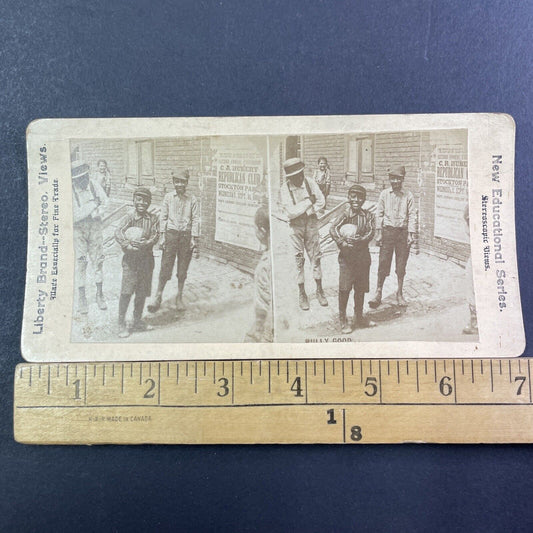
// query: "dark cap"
[[293, 166], [358, 189], [397, 171], [180, 174], [79, 169], [144, 192]]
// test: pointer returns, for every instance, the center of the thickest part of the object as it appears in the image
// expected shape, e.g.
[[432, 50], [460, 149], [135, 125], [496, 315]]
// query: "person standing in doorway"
[[395, 229], [88, 201], [180, 232], [103, 176], [322, 176], [301, 200]]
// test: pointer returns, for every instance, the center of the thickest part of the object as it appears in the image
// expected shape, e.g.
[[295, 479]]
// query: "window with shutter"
[[359, 158], [140, 162]]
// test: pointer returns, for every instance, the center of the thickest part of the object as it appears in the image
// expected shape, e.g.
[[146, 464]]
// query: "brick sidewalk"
[[213, 289], [219, 301], [434, 288]]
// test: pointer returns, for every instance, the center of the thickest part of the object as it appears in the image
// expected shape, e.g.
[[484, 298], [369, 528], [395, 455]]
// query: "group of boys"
[[393, 228], [177, 228]]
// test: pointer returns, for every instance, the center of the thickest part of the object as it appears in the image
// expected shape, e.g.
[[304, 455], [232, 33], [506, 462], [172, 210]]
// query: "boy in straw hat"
[[395, 229], [89, 200], [137, 234], [302, 199]]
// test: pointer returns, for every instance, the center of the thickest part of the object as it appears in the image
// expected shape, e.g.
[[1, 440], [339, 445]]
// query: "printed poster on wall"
[[451, 193], [238, 176]]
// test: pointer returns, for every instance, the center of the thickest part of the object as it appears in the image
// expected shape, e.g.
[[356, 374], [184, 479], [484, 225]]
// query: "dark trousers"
[[177, 246], [394, 242]]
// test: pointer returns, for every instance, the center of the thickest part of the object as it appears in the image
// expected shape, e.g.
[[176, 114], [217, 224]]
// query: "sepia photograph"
[[371, 237], [171, 239]]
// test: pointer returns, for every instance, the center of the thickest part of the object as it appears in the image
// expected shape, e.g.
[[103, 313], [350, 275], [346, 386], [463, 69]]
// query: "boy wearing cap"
[[354, 256], [88, 201], [138, 260], [395, 228], [302, 199], [180, 232]]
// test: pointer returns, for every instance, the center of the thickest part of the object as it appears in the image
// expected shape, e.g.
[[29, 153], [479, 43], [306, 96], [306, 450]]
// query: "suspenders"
[[292, 194], [93, 192]]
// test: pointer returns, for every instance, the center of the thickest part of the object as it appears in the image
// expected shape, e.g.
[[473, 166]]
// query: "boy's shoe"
[[180, 306], [402, 302], [141, 325], [100, 300], [321, 298], [155, 305], [303, 301], [376, 301], [345, 328], [471, 328], [83, 306], [123, 331], [364, 322]]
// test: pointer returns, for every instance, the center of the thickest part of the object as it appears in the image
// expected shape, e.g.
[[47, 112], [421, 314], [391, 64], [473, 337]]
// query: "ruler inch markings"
[[305, 374], [529, 380], [455, 383], [279, 404], [344, 425], [380, 382], [398, 371], [158, 383], [102, 392], [85, 387], [232, 382]]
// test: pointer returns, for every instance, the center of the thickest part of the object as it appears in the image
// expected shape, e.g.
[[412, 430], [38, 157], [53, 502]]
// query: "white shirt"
[[298, 203]]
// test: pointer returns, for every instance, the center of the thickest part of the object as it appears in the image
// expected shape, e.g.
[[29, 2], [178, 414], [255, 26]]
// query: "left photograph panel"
[[171, 240]]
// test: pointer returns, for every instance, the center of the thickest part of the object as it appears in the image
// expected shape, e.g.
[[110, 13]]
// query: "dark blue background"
[[191, 58]]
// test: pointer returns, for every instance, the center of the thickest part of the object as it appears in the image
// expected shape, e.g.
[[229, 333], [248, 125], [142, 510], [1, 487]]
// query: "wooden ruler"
[[276, 401]]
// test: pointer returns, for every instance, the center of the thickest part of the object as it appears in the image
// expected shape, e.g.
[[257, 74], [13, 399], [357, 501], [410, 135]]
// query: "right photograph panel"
[[370, 237]]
